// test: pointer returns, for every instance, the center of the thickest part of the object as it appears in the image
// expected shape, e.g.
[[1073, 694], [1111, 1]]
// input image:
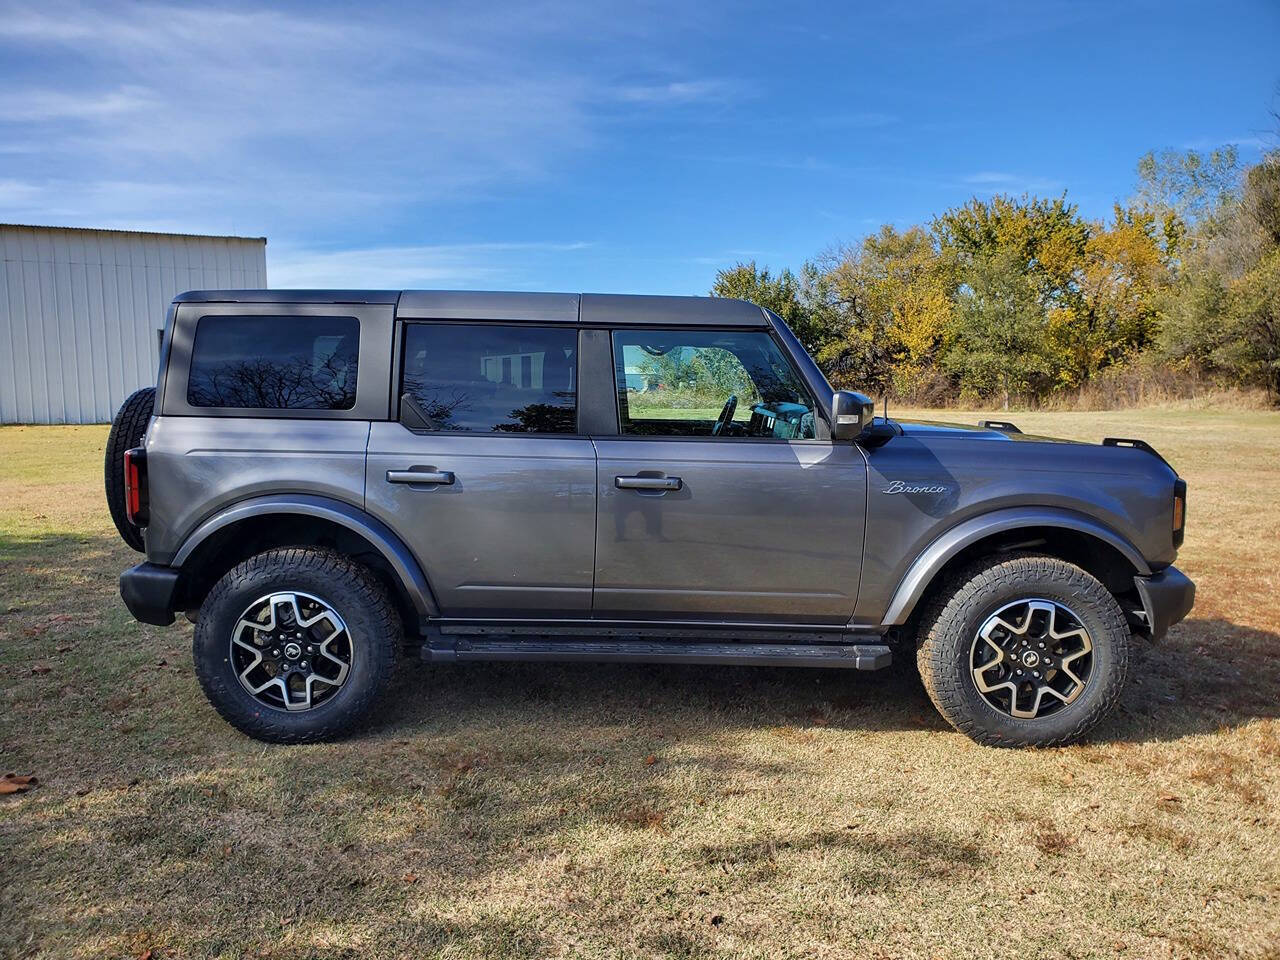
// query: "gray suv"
[[325, 480]]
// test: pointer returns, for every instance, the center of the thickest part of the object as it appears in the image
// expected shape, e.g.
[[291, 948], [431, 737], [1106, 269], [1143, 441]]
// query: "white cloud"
[[681, 91], [490, 265], [26, 106], [1002, 182], [288, 122]]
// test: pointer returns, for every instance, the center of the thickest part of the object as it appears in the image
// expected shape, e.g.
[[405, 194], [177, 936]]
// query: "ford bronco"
[[323, 481]]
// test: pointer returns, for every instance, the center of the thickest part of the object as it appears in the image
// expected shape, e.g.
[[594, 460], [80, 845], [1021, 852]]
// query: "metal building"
[[81, 312]]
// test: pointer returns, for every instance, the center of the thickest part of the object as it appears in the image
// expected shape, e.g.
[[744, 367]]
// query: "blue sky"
[[592, 146]]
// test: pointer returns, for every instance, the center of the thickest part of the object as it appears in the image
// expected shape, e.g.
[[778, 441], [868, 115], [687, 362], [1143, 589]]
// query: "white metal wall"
[[79, 311]]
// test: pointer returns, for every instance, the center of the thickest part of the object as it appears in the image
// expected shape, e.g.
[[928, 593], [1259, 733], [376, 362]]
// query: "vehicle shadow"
[[1206, 675]]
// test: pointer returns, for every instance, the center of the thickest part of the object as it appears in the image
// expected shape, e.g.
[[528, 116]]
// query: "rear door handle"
[[419, 476], [648, 483]]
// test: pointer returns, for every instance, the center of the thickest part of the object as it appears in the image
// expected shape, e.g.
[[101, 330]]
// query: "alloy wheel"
[[1031, 658], [291, 651]]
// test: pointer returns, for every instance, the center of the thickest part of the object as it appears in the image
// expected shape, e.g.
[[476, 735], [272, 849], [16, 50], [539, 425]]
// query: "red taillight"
[[135, 486]]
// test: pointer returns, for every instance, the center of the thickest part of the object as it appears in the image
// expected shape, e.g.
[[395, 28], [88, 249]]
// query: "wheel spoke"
[[1031, 657], [275, 658]]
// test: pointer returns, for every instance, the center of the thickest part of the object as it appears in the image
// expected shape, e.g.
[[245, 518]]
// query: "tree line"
[[1021, 299]]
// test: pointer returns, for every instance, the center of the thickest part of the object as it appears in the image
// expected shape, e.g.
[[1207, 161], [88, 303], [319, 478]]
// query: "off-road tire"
[[954, 615], [126, 433], [374, 625]]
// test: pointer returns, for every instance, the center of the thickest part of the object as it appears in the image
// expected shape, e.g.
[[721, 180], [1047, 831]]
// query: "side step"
[[856, 656]]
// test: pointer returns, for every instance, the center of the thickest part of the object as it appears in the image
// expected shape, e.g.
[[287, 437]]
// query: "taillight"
[[135, 486], [1179, 511]]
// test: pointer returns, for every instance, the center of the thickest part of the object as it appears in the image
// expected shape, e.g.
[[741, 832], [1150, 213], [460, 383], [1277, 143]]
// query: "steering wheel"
[[726, 415]]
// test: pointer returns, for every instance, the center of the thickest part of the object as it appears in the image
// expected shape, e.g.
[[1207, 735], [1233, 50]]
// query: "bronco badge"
[[898, 486]]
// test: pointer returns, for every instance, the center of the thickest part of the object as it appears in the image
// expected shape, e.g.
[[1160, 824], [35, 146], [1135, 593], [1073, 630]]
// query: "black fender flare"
[[935, 556], [381, 537]]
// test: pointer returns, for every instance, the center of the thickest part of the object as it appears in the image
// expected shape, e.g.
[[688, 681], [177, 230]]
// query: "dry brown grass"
[[529, 811]]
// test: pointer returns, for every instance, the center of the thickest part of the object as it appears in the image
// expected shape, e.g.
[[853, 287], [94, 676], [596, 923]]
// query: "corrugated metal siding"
[[79, 311]]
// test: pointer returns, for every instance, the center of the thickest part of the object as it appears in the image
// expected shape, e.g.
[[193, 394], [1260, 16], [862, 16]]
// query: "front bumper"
[[148, 590], [1167, 597]]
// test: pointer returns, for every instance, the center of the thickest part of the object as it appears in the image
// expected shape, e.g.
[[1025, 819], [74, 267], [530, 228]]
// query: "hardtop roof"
[[590, 308]]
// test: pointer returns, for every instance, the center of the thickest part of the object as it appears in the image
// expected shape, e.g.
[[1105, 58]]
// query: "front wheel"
[[296, 645], [1024, 650]]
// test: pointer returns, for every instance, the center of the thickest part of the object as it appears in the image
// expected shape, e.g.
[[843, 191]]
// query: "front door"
[[716, 501], [485, 475]]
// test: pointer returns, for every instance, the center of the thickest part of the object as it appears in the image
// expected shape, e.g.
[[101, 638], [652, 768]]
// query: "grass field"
[[529, 811]]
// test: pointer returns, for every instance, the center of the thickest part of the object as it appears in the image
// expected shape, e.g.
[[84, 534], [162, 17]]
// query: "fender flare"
[[370, 528], [935, 556]]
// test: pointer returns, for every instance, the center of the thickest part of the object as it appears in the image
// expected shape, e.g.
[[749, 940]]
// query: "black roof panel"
[[487, 305], [288, 296], [610, 309], [605, 309]]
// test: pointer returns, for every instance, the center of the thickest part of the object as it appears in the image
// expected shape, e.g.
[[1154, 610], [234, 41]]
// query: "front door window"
[[691, 383]]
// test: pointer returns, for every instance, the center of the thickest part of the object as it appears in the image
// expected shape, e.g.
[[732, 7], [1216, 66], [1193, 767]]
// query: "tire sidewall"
[[1101, 618], [212, 651]]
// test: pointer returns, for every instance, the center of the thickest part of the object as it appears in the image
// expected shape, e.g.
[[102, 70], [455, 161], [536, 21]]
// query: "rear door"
[[716, 499], [485, 473]]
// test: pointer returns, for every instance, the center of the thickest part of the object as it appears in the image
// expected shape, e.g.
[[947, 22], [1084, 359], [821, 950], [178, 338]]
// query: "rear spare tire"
[[126, 433]]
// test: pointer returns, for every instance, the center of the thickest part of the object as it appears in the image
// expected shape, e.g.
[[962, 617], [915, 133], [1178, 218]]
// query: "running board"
[[857, 656]]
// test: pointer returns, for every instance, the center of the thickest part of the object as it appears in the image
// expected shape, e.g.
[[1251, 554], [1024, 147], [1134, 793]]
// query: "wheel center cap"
[[292, 651], [1030, 658]]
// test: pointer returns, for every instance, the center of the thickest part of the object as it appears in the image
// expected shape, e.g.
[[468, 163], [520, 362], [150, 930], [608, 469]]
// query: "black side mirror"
[[851, 414]]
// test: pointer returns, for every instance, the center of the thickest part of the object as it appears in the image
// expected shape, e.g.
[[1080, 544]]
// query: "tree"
[[784, 294], [999, 330], [891, 293], [1117, 310], [1255, 348], [1193, 185], [1223, 313], [1044, 239]]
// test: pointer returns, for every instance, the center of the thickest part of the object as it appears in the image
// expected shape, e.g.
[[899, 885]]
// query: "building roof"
[[593, 308], [137, 233]]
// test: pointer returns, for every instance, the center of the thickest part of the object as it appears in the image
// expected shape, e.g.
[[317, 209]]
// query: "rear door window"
[[275, 362], [491, 378]]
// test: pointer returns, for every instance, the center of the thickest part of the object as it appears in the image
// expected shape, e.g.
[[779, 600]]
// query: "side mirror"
[[851, 414]]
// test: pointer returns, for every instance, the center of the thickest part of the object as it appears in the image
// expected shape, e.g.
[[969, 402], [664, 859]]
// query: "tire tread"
[[126, 433], [943, 623], [221, 687]]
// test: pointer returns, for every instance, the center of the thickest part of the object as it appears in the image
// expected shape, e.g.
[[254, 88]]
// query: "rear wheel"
[[1024, 651], [296, 645], [126, 433]]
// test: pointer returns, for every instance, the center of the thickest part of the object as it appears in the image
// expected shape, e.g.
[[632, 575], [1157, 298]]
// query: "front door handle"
[[648, 483], [419, 476]]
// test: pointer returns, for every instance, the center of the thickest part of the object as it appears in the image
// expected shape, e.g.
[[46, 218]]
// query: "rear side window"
[[275, 362], [487, 378]]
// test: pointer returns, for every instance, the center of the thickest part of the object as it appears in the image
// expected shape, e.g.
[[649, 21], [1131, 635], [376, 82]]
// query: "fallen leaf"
[[650, 760], [1169, 798], [65, 649], [41, 668], [16, 783]]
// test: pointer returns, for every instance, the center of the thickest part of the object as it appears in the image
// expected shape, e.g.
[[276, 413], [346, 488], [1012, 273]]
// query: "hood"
[[933, 429]]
